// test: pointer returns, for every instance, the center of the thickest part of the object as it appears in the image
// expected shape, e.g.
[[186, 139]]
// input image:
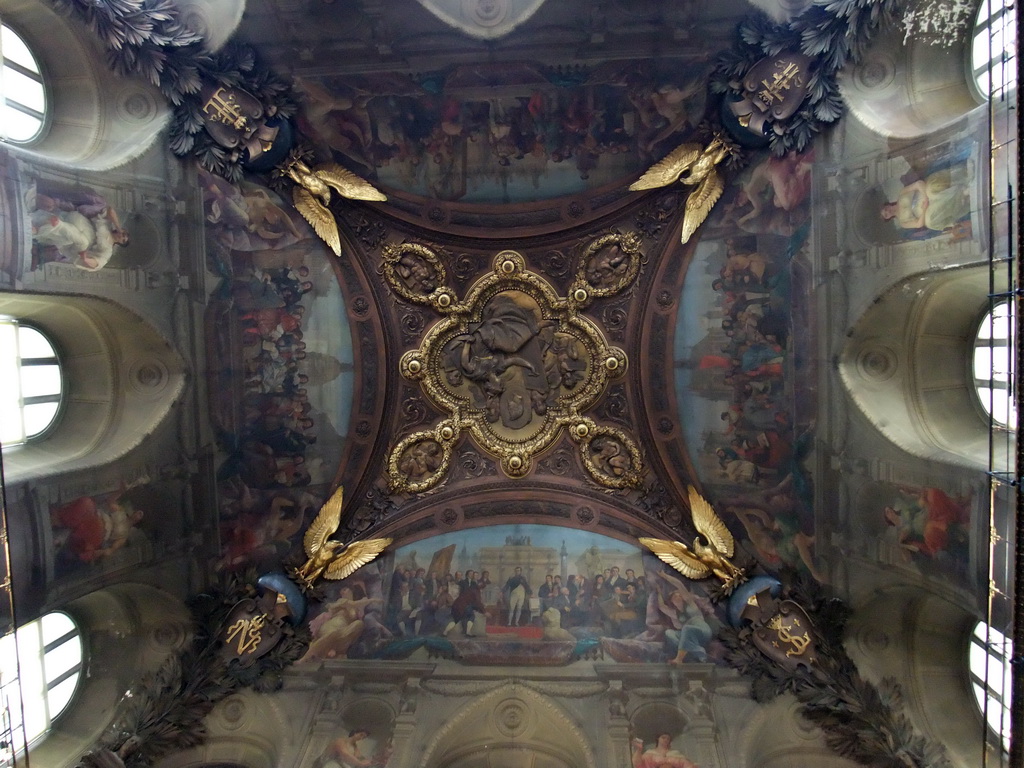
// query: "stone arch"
[[127, 630], [921, 639], [909, 89], [779, 737], [96, 120], [215, 20], [510, 719], [653, 718], [907, 364], [247, 730], [122, 379]]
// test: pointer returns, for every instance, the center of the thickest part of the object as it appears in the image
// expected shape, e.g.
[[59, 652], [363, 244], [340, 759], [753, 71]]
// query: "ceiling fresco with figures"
[[518, 373]]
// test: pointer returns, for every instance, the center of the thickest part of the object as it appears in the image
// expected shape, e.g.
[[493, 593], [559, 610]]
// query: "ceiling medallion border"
[[513, 364]]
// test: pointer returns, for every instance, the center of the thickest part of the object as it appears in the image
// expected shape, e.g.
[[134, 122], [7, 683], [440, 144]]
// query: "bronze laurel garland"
[[860, 721], [833, 33], [164, 712], [145, 38]]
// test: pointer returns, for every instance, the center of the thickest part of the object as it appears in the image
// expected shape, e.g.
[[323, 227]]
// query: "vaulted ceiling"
[[515, 363]]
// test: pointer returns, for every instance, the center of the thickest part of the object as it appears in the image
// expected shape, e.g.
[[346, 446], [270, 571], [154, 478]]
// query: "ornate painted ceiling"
[[515, 369]]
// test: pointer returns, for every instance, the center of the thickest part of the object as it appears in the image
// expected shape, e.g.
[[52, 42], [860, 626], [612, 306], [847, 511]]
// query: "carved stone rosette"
[[513, 364]]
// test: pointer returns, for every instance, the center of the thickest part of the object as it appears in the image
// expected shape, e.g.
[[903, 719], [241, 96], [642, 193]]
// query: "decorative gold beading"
[[512, 364]]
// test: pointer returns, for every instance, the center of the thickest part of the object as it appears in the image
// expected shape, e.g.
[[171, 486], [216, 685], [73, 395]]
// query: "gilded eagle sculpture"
[[693, 166], [312, 194], [329, 558], [702, 560]]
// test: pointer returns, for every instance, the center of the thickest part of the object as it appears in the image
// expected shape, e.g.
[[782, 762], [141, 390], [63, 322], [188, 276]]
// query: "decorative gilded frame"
[[516, 448]]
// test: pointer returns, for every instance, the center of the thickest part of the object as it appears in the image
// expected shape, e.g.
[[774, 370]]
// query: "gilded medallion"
[[512, 364]]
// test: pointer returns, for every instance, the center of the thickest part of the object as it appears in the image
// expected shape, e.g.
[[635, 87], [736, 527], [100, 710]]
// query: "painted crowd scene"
[[505, 132], [529, 594], [281, 388]]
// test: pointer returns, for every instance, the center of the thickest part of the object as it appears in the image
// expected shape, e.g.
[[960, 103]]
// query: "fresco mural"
[[504, 132], [355, 747], [525, 594], [924, 528], [70, 229], [928, 192], [74, 225], [745, 363], [61, 221], [770, 197], [280, 370], [659, 754], [359, 734], [660, 736], [102, 532]]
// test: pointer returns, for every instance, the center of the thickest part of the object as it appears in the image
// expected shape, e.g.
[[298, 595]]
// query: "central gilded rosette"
[[513, 363]]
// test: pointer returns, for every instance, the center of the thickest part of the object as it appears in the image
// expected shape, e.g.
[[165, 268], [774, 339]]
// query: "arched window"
[[994, 49], [31, 384], [993, 365], [21, 89], [40, 665], [989, 661]]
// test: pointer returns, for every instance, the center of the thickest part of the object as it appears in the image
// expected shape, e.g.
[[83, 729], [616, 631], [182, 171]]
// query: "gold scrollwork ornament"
[[512, 364]]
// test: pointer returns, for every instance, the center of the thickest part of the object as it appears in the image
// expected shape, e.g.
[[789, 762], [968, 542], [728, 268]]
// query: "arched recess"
[[921, 640], [96, 120], [127, 630], [245, 730], [508, 723], [908, 365], [215, 20], [779, 737], [909, 89], [121, 380]]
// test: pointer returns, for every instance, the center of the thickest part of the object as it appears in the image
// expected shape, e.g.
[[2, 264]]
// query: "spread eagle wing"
[[700, 202], [326, 522], [710, 525], [356, 555], [676, 555], [347, 183], [667, 171], [318, 216]]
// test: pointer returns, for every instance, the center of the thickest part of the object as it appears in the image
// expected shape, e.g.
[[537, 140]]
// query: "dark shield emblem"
[[787, 637], [776, 85], [249, 632], [231, 115]]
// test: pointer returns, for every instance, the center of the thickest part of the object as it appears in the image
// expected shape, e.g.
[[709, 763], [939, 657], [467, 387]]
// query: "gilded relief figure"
[[611, 456], [608, 266], [513, 363], [421, 459], [503, 360], [329, 558]]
